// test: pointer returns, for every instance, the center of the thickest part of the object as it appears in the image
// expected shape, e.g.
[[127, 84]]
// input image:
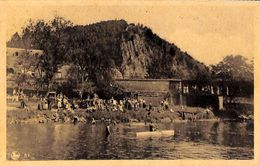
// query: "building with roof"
[[154, 90]]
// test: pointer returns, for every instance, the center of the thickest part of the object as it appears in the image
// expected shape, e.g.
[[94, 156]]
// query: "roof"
[[145, 79]]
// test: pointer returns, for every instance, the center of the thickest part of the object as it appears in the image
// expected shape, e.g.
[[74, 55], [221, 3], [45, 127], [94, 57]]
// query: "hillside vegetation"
[[108, 48], [100, 52]]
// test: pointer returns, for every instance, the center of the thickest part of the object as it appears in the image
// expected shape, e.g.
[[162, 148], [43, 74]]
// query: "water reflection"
[[192, 140]]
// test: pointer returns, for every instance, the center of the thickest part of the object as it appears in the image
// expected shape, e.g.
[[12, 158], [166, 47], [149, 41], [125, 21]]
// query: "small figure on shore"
[[183, 116], [49, 103], [45, 104], [59, 101], [93, 121], [208, 110], [75, 119], [166, 105], [148, 116], [14, 92], [23, 104], [152, 127], [40, 104], [150, 107], [26, 108], [108, 132], [26, 155], [144, 104]]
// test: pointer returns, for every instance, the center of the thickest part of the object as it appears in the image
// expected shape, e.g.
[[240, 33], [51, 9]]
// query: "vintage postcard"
[[129, 82]]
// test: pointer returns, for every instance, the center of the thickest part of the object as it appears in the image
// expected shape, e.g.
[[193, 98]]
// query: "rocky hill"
[[146, 55], [133, 51], [137, 52]]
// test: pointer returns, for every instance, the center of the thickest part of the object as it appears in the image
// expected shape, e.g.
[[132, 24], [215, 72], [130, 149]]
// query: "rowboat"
[[163, 133]]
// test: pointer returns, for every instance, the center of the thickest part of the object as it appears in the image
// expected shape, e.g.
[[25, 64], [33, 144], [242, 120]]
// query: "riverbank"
[[16, 115]]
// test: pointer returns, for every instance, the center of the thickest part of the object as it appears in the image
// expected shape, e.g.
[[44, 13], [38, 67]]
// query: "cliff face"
[[135, 57], [145, 55]]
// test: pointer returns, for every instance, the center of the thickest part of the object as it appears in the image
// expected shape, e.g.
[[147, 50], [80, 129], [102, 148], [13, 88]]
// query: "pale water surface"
[[192, 140]]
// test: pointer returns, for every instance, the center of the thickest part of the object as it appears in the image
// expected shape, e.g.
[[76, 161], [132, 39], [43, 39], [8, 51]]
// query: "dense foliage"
[[236, 72], [95, 50], [50, 38], [234, 68]]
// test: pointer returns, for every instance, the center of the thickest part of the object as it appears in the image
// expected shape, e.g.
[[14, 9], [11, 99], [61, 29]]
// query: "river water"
[[192, 140]]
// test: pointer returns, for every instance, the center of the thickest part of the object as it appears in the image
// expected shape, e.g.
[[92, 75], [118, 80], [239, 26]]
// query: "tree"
[[95, 50], [81, 59], [236, 73], [233, 68], [50, 37], [46, 71], [79, 52]]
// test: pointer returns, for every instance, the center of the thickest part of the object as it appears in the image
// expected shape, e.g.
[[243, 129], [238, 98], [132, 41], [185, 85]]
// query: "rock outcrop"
[[135, 57], [145, 55]]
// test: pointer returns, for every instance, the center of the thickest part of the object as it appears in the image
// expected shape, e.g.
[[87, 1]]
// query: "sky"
[[207, 32]]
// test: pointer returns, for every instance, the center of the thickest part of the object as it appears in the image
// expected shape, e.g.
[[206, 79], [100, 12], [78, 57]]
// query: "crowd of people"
[[122, 105], [61, 101], [97, 104]]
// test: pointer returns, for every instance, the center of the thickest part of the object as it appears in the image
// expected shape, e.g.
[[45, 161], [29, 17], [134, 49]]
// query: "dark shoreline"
[[21, 116]]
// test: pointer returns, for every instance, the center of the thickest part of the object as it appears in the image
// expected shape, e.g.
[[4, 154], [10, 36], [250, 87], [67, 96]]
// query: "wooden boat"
[[163, 133]]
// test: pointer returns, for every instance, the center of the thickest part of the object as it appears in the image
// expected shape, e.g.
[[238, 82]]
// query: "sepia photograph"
[[129, 81]]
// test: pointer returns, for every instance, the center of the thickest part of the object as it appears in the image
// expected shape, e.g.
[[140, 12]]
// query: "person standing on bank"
[[22, 104], [108, 132], [49, 103], [152, 127]]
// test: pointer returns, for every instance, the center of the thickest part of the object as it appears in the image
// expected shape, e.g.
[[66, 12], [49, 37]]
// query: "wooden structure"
[[180, 92]]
